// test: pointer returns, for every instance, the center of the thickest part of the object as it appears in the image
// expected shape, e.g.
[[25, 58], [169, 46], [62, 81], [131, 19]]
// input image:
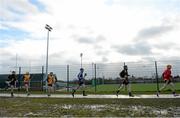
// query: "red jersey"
[[167, 74]]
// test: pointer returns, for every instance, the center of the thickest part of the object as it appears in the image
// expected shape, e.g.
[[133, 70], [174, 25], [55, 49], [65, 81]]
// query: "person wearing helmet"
[[50, 80], [12, 82], [26, 78], [167, 77], [81, 82], [124, 74]]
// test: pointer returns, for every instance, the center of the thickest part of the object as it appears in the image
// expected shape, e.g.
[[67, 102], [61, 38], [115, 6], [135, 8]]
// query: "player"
[[7, 85], [51, 81], [81, 82], [27, 78], [124, 74], [54, 83], [12, 82], [167, 77]]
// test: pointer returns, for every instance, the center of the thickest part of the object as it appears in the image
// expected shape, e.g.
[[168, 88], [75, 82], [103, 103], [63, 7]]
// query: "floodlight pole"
[[81, 54], [48, 30], [16, 63]]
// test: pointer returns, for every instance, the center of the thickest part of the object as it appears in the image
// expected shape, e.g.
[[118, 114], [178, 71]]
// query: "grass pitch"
[[143, 88]]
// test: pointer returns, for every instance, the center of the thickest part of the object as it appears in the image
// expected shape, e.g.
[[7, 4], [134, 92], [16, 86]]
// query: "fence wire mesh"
[[100, 77]]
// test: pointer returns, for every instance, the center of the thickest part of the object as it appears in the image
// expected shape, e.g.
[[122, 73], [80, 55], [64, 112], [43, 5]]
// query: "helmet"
[[51, 73], [125, 67], [13, 72], [169, 66], [81, 69]]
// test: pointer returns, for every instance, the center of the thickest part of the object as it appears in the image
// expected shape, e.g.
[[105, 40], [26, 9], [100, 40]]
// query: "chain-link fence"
[[101, 78]]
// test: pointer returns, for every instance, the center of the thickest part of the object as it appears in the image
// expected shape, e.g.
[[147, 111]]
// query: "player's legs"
[[12, 90], [119, 89], [7, 85], [74, 90], [173, 88], [83, 89], [54, 87], [78, 87], [27, 88], [164, 86], [49, 90], [129, 90]]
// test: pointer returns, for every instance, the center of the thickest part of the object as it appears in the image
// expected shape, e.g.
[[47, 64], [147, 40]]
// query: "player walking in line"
[[124, 74], [54, 83], [167, 77], [81, 82], [50, 80], [27, 78], [12, 81]]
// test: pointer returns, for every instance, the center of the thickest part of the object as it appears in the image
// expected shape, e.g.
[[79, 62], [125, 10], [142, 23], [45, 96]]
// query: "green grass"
[[55, 107], [136, 88], [144, 88]]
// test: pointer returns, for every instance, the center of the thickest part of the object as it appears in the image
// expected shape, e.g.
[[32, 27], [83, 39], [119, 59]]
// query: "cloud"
[[105, 59], [14, 9], [165, 46], [86, 40], [70, 61], [38, 4], [79, 28], [6, 54], [102, 52], [153, 31], [138, 48], [91, 40]]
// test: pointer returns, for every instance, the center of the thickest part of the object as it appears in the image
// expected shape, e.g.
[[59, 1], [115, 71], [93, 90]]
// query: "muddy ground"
[[55, 107]]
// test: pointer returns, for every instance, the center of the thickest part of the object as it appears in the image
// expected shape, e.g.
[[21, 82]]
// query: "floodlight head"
[[81, 54], [48, 27]]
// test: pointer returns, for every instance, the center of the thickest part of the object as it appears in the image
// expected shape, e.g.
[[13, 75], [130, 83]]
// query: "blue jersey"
[[80, 76]]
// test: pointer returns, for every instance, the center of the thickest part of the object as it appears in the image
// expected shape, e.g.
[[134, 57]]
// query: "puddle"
[[91, 107], [32, 114]]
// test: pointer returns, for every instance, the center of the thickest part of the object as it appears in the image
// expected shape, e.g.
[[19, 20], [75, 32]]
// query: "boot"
[[117, 92], [84, 94], [12, 95], [28, 93], [158, 93], [174, 93], [73, 92], [130, 94]]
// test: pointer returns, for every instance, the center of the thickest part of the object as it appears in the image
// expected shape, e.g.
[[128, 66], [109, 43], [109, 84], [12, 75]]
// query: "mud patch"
[[88, 107], [31, 114]]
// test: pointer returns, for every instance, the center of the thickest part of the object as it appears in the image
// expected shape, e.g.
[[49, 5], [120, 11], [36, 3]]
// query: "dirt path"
[[89, 96]]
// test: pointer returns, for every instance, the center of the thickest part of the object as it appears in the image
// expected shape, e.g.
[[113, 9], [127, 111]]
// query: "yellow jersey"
[[26, 78], [50, 79]]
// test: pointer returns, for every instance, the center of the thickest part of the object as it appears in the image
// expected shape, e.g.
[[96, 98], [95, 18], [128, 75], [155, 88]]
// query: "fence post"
[[42, 83], [95, 76], [67, 78], [19, 79], [157, 81]]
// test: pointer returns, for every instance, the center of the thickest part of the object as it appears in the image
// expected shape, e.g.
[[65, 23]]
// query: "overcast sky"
[[105, 31]]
